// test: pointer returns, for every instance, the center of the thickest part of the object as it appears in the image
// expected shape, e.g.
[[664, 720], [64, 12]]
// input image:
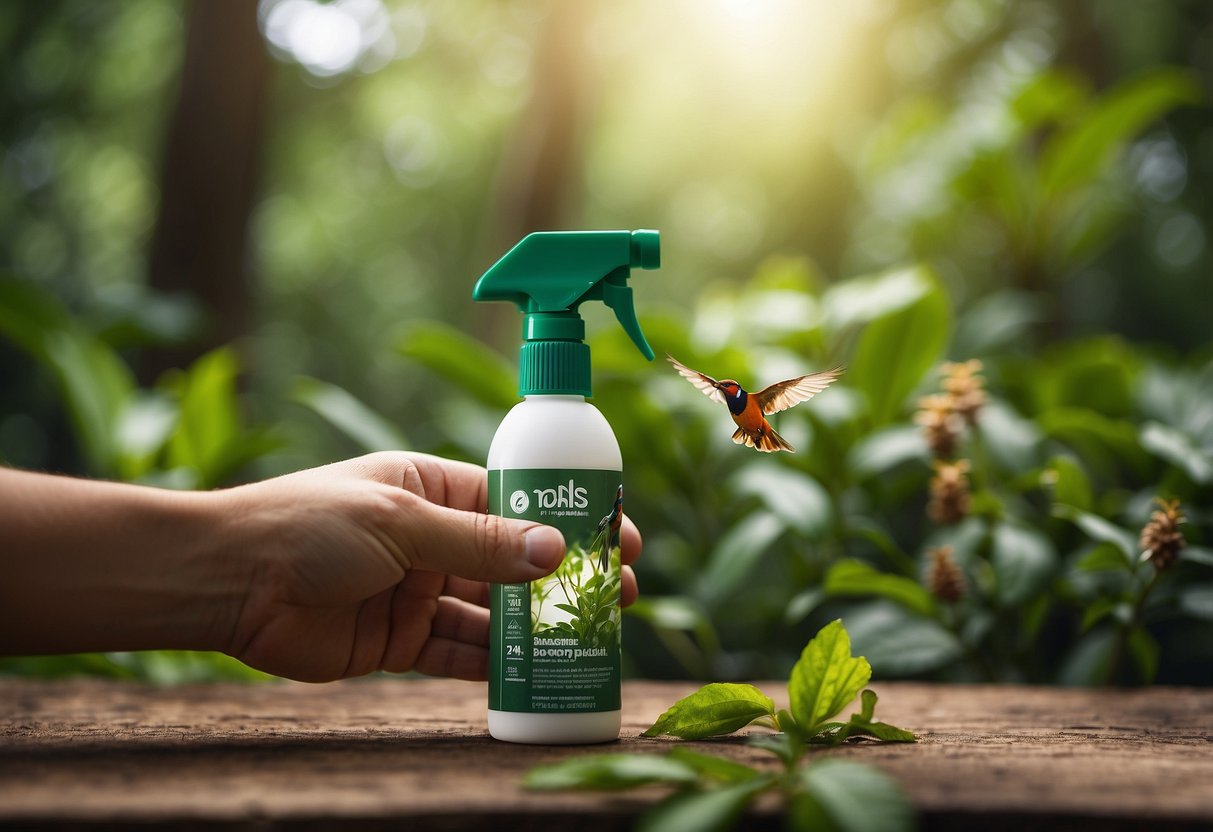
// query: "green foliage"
[[823, 682], [368, 429], [718, 708], [188, 431], [826, 678], [993, 205], [896, 349], [712, 791]]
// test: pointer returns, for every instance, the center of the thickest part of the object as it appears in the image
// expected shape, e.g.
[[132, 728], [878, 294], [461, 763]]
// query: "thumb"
[[479, 547]]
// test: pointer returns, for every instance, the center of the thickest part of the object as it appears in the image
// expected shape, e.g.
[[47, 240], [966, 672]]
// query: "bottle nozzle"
[[549, 274], [646, 249]]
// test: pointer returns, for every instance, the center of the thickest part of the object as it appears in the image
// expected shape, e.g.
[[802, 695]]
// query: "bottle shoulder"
[[555, 432]]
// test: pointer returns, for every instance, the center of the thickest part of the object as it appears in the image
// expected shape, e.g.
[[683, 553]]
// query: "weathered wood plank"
[[380, 752]]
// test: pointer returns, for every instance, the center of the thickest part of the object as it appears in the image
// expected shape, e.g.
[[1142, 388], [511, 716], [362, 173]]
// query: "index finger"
[[446, 482]]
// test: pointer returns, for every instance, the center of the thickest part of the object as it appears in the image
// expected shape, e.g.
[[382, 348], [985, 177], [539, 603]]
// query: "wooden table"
[[414, 754]]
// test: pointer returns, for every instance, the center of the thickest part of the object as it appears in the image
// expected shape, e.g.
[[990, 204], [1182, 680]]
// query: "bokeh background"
[[239, 238]]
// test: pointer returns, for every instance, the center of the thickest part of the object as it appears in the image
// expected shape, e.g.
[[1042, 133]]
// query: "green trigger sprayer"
[[548, 275]]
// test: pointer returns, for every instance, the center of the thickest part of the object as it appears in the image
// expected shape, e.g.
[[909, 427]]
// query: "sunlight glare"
[[329, 39]]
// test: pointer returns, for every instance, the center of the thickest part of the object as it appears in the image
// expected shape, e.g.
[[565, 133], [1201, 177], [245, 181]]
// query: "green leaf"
[[1049, 97], [1197, 554], [1104, 557], [97, 387], [714, 767], [1097, 528], [347, 413], [1100, 441], [94, 382], [793, 496], [711, 810], [736, 554], [145, 425], [880, 452], [1013, 441], [1197, 601], [671, 618], [463, 361], [28, 313], [899, 642], [1179, 449], [836, 733], [861, 724], [209, 437], [805, 814], [827, 677], [1089, 661], [713, 710], [1144, 649], [857, 797], [788, 724], [1070, 483], [1078, 155], [853, 578], [996, 321], [1096, 375], [882, 731], [1024, 561], [788, 747], [895, 352], [1101, 608], [803, 603], [867, 706], [862, 300], [610, 771]]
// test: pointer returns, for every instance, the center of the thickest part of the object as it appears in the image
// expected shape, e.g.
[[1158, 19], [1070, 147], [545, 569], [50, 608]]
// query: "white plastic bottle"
[[555, 432], [554, 652]]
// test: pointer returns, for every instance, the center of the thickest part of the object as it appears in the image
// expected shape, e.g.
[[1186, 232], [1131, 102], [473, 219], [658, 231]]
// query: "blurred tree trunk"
[[541, 160], [542, 156], [212, 149]]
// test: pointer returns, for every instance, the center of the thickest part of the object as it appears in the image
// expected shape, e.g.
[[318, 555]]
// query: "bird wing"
[[705, 384], [783, 394]]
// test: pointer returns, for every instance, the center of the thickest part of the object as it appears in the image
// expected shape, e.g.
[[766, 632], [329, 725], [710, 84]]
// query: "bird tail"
[[766, 440]]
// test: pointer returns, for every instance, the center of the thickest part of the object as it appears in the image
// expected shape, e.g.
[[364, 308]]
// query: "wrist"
[[210, 572], [98, 566]]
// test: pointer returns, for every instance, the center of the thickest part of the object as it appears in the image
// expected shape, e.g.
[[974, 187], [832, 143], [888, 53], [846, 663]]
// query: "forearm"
[[90, 565]]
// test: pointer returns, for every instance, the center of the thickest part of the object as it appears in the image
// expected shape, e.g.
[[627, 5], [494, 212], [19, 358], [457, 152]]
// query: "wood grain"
[[415, 753]]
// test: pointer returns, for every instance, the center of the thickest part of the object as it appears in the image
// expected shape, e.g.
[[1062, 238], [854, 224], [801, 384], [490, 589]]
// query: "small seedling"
[[711, 791]]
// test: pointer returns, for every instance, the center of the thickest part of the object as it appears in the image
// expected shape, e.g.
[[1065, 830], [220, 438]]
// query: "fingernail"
[[544, 547]]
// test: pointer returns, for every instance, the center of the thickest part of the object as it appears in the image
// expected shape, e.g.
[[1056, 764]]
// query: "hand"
[[380, 562]]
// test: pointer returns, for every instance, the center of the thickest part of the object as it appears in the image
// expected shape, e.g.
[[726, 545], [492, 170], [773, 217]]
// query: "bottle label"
[[555, 641]]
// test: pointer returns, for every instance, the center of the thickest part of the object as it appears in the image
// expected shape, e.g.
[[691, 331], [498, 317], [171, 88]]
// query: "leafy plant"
[[711, 791], [188, 431], [825, 679], [591, 600]]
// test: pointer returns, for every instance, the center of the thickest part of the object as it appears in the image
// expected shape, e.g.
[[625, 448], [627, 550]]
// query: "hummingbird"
[[607, 535], [749, 410]]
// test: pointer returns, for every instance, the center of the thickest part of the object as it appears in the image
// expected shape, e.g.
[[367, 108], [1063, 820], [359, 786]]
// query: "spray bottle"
[[554, 652]]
